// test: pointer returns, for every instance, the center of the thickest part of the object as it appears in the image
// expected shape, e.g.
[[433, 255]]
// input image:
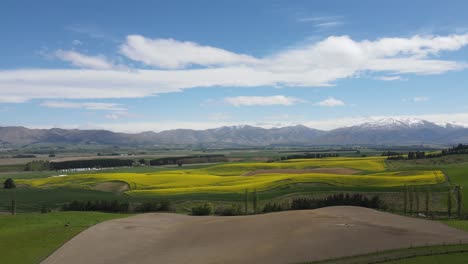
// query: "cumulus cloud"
[[173, 54], [84, 61], [84, 105], [262, 100], [314, 65], [331, 102]]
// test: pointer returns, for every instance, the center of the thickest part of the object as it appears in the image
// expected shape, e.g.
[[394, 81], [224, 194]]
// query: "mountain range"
[[382, 132]]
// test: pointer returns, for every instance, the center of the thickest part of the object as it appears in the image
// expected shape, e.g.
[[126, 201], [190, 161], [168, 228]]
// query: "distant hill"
[[385, 131]]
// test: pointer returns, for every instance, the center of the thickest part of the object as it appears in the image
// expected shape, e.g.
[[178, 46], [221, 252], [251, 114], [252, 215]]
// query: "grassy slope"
[[32, 200], [29, 238], [460, 224], [417, 255], [452, 258]]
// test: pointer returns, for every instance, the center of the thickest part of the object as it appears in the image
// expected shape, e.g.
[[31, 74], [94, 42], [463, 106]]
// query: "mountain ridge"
[[389, 131]]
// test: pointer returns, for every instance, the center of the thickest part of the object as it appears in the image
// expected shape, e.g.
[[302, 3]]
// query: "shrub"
[[164, 205], [101, 206], [205, 209], [273, 207], [338, 199], [45, 210], [9, 184], [234, 209]]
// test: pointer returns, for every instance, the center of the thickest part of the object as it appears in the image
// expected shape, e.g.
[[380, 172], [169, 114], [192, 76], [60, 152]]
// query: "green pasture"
[[29, 238]]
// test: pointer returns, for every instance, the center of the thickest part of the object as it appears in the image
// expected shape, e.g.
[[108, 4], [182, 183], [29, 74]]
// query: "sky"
[[134, 66]]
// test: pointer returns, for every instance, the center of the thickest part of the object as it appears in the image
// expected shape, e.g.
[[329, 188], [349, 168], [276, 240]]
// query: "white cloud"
[[84, 105], [173, 54], [84, 61], [314, 65], [76, 42], [389, 78], [262, 100], [331, 102], [420, 99], [118, 115], [328, 24]]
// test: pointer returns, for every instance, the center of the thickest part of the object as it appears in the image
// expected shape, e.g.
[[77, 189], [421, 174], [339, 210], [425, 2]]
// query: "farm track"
[[285, 237]]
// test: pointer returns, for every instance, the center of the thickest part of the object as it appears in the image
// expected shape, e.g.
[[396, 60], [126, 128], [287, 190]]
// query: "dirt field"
[[341, 171], [285, 237], [114, 186]]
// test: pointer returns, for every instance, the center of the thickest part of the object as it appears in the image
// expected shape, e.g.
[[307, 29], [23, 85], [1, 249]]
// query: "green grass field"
[[454, 166], [438, 254], [452, 258], [29, 238], [460, 224]]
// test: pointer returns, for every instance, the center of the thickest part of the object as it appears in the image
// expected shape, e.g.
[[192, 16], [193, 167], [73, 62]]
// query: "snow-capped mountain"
[[388, 131], [394, 123]]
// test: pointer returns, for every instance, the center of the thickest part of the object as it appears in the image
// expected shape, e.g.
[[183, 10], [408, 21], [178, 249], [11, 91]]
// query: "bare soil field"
[[115, 186], [341, 171], [284, 237]]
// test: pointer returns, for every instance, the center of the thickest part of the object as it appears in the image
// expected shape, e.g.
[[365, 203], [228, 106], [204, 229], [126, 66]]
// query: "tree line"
[[92, 163], [418, 201], [187, 160], [410, 156], [459, 149], [338, 199], [311, 156], [115, 206]]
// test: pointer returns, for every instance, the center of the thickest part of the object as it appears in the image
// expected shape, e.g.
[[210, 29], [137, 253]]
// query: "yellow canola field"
[[214, 179], [372, 164]]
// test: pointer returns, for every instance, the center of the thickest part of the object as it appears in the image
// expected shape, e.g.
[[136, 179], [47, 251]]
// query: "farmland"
[[222, 185], [231, 178]]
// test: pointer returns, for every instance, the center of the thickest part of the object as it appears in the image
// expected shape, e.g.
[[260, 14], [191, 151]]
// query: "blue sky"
[[160, 65]]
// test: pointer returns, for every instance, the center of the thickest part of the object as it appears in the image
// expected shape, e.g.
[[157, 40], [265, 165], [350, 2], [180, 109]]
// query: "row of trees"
[[155, 206], [93, 163], [311, 156], [417, 201], [410, 156], [338, 199], [100, 206], [391, 153], [187, 160], [250, 205], [9, 184], [115, 206], [459, 149]]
